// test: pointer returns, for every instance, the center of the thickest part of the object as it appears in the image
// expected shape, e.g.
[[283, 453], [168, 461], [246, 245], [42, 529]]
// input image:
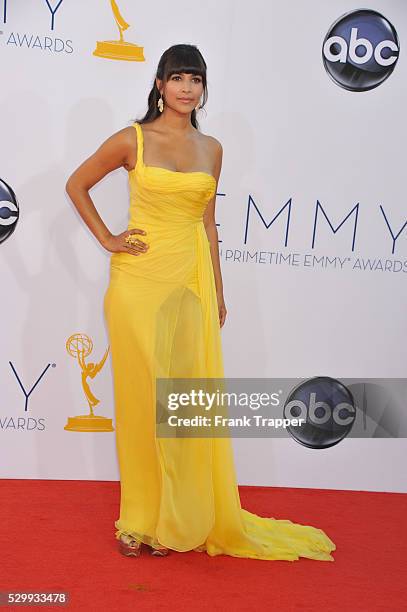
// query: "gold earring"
[[197, 108], [160, 104]]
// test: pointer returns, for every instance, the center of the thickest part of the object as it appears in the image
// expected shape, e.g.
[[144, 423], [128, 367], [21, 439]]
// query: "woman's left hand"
[[221, 308]]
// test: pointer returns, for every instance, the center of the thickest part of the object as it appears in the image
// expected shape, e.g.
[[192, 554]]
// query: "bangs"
[[186, 70], [184, 60]]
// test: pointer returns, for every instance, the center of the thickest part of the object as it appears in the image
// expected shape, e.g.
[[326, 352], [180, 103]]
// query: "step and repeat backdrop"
[[308, 100]]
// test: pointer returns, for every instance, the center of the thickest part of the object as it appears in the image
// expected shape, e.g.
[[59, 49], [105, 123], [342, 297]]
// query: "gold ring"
[[130, 240]]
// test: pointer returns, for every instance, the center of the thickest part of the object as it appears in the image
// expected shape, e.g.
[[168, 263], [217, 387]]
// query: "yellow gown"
[[162, 318]]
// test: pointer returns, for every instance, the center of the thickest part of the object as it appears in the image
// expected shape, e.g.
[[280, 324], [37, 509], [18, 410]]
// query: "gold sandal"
[[129, 547], [159, 551]]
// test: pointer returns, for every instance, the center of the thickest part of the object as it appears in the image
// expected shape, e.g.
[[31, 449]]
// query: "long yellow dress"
[[162, 319]]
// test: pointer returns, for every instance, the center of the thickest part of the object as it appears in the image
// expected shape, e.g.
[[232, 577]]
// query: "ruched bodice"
[[169, 206], [167, 198]]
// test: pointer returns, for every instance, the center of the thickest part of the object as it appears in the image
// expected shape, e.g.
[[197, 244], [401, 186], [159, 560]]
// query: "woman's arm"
[[212, 233], [118, 150]]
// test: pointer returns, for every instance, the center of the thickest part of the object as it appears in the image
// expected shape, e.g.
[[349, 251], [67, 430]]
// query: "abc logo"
[[360, 50], [327, 408], [9, 211]]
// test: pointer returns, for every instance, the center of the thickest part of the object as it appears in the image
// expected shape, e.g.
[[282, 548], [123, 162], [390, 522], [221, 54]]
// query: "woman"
[[164, 308]]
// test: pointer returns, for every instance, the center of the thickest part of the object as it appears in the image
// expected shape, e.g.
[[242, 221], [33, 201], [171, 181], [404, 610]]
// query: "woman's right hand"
[[118, 244]]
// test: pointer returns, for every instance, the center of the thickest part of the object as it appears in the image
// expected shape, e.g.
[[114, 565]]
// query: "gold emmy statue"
[[80, 346], [119, 49]]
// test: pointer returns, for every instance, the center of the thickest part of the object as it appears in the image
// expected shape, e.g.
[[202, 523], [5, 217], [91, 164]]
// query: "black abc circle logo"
[[9, 211], [327, 410], [360, 50]]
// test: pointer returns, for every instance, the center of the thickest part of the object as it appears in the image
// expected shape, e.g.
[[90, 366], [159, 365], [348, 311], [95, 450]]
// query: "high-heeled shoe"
[[159, 551], [129, 547], [201, 548]]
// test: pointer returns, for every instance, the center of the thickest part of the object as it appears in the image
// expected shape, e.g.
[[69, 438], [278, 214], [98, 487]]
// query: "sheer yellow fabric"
[[162, 319]]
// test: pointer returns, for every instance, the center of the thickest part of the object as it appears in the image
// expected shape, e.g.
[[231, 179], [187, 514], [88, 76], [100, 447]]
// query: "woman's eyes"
[[194, 79]]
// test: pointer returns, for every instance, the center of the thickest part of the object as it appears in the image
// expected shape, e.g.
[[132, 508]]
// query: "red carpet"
[[59, 536]]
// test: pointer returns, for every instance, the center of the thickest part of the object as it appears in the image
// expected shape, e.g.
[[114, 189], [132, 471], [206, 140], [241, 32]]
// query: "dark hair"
[[176, 59]]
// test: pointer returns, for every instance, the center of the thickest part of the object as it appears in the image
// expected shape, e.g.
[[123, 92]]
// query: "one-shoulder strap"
[[140, 143]]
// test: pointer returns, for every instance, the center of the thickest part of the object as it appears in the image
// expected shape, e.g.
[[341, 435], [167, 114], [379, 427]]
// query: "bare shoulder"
[[122, 139], [125, 141], [127, 134], [213, 142], [215, 150]]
